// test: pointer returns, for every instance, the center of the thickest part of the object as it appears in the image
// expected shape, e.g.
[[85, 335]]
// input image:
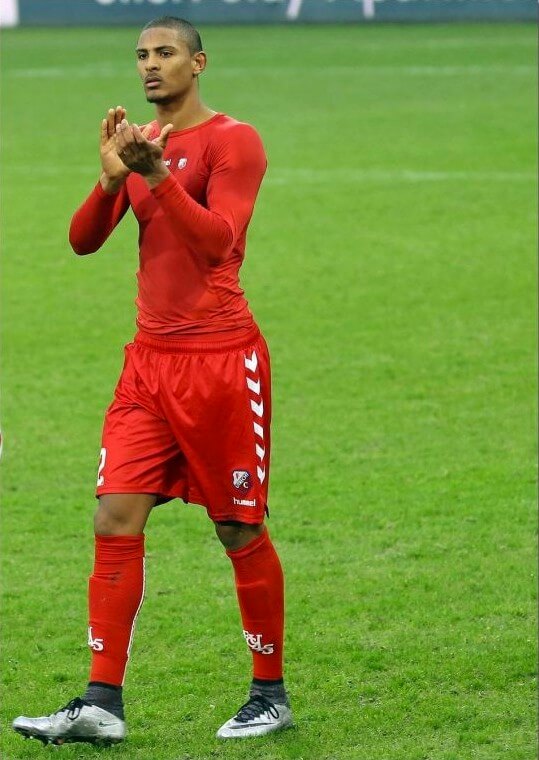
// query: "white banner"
[[9, 12]]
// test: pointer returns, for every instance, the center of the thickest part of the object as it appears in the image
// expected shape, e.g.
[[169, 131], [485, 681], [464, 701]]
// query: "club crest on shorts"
[[241, 479]]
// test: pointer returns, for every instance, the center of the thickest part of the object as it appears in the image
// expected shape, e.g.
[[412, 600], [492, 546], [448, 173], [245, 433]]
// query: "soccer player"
[[191, 411]]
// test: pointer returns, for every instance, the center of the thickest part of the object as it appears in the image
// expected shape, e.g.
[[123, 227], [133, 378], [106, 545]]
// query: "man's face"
[[165, 64]]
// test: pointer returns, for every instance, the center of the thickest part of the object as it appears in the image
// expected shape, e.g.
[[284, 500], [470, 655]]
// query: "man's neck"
[[183, 115]]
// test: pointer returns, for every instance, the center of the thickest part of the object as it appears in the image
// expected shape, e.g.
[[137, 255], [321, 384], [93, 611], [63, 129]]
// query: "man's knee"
[[122, 514], [236, 535]]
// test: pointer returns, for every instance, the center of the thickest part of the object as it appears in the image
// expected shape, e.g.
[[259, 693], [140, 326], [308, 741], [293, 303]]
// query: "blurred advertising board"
[[97, 12]]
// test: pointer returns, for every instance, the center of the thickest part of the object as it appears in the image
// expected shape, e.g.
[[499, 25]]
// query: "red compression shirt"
[[193, 228]]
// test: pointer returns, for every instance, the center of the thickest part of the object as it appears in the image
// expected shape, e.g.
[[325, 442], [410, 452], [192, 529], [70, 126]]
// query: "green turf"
[[391, 265]]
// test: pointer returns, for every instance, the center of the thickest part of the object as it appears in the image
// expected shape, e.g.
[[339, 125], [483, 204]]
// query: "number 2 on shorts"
[[102, 460]]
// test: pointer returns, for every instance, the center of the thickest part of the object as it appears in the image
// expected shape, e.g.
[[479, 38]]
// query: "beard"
[[158, 99]]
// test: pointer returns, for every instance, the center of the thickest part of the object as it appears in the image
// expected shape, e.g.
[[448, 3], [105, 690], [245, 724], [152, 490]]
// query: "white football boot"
[[76, 722], [256, 717]]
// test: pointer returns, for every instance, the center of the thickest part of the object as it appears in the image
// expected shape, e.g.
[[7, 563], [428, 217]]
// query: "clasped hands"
[[126, 148]]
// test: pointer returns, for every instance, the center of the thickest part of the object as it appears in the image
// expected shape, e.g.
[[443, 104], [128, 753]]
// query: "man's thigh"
[[219, 408], [139, 452]]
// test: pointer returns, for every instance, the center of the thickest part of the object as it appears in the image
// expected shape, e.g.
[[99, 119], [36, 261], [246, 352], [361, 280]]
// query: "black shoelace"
[[254, 708], [73, 708]]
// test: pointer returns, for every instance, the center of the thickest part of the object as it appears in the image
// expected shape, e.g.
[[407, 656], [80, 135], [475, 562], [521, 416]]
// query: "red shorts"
[[192, 421]]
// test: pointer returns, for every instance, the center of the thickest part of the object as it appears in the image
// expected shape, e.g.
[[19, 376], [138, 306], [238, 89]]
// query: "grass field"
[[391, 266]]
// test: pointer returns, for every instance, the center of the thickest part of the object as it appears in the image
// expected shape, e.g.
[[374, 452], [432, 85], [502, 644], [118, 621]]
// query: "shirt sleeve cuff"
[[98, 190], [163, 187]]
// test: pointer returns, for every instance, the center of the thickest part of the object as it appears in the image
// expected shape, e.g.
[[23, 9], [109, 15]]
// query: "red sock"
[[260, 588], [115, 595]]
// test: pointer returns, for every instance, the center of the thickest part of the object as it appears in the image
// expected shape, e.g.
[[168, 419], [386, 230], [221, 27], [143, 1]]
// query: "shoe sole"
[[283, 727], [58, 741]]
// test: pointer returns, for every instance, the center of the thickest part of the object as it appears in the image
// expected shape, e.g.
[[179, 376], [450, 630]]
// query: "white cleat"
[[256, 717], [76, 722]]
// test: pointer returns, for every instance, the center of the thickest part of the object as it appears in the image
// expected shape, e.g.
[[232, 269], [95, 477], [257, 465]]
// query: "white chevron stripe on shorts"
[[258, 409], [255, 387], [252, 379], [252, 363]]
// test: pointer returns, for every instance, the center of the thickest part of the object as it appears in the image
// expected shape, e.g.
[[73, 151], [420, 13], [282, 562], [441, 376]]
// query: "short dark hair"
[[184, 29]]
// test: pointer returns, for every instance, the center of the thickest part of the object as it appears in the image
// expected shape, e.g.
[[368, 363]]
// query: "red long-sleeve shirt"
[[193, 228]]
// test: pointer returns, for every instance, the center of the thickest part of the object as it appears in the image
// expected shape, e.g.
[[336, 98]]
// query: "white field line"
[[67, 72], [459, 42], [83, 72], [391, 41], [396, 70], [362, 176], [349, 175], [64, 170]]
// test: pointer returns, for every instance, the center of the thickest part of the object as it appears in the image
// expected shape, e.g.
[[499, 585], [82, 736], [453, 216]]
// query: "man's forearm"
[[199, 227], [93, 222]]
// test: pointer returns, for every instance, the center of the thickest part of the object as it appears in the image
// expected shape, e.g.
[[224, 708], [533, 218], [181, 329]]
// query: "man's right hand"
[[114, 170]]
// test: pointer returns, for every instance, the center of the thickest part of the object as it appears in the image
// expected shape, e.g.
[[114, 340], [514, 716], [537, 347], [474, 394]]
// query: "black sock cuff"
[[267, 682], [105, 685]]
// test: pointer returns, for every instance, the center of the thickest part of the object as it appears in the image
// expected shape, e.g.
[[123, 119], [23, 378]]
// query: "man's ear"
[[199, 61]]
